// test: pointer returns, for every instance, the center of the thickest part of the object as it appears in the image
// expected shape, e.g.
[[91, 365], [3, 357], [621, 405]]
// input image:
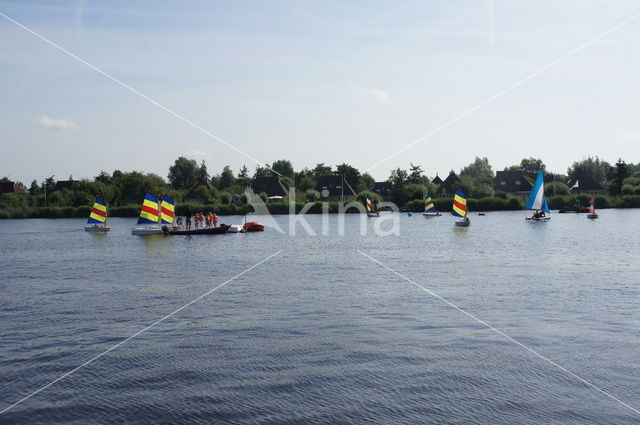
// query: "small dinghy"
[[592, 209], [223, 228], [537, 201], [371, 210], [460, 209], [97, 222], [430, 208], [253, 226], [153, 216]]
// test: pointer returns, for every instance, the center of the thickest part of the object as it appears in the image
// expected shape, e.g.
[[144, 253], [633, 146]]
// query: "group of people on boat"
[[200, 221], [538, 215]]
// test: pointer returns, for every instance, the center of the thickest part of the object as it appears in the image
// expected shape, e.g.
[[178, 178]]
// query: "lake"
[[320, 333]]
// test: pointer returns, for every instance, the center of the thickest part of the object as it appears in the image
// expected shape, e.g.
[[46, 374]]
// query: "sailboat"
[[371, 211], [98, 217], [592, 209], [430, 209], [460, 209], [537, 201], [151, 215]]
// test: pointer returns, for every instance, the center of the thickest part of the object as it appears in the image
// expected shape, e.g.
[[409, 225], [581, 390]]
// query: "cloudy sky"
[[316, 82]]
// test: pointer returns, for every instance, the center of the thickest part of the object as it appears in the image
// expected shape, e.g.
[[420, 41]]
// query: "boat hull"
[[97, 229], [144, 230], [592, 216], [538, 218], [463, 223], [373, 214], [223, 228], [253, 226], [432, 214]]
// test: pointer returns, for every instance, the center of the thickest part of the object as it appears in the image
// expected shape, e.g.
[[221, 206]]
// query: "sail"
[[459, 204], [149, 210], [369, 204], [98, 212], [428, 205], [167, 210], [592, 205], [537, 200]]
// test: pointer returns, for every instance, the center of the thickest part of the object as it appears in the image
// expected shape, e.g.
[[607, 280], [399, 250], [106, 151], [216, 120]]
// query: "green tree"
[[283, 167], [479, 171], [556, 188], [416, 175], [262, 171], [398, 178], [368, 182], [620, 174], [243, 179], [351, 175], [227, 179], [597, 168], [321, 170], [202, 175], [35, 188], [183, 174], [529, 165]]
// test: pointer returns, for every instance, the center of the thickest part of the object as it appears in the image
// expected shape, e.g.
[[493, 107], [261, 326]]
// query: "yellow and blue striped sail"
[[428, 205], [98, 212], [369, 204], [149, 210], [459, 204], [167, 210]]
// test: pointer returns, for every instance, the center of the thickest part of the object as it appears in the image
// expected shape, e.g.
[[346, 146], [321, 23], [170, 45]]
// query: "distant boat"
[[98, 217], [460, 209], [223, 228], [430, 209], [537, 201], [151, 215], [592, 209], [371, 211]]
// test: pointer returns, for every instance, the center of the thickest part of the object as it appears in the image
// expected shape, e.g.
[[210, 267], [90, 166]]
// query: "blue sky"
[[315, 82]]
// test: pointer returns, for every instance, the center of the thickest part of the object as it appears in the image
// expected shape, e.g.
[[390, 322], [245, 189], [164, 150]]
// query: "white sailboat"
[[537, 201]]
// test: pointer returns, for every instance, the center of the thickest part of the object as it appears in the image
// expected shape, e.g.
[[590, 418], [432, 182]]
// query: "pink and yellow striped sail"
[[459, 204], [149, 210], [167, 210], [98, 212]]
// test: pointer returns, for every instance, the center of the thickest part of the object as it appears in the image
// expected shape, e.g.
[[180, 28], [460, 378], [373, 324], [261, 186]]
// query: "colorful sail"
[[149, 210], [429, 205], [98, 213], [592, 205], [167, 210], [459, 204], [369, 204], [537, 200]]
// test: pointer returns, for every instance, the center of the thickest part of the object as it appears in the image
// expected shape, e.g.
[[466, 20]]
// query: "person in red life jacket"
[[207, 220], [196, 220], [214, 219]]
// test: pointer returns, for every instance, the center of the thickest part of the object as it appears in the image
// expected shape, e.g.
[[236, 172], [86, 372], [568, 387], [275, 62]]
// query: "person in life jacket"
[[214, 220], [207, 220]]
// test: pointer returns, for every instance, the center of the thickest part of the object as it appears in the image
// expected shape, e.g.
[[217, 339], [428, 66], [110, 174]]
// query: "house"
[[582, 182], [7, 186], [437, 180], [64, 184], [512, 184], [271, 185], [449, 185], [334, 187], [384, 189]]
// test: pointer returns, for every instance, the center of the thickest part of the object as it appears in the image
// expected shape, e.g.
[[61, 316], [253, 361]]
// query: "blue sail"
[[537, 200]]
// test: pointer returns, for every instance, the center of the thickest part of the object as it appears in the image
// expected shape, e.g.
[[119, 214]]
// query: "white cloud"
[[630, 135], [369, 94], [56, 123]]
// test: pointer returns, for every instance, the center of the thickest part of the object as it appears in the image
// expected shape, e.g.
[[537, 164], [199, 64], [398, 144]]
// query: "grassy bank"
[[484, 204]]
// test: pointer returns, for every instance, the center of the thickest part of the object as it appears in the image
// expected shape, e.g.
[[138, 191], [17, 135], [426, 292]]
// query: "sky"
[[316, 82]]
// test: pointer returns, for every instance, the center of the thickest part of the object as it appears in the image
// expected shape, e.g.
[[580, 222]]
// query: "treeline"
[[189, 182]]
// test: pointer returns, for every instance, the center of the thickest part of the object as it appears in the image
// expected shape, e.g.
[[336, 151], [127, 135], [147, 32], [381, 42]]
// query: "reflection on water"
[[319, 333]]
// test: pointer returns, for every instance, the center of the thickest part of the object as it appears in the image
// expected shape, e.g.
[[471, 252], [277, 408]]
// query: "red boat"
[[253, 226]]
